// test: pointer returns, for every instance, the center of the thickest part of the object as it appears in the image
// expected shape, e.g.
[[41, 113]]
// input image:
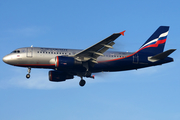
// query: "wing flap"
[[107, 47]]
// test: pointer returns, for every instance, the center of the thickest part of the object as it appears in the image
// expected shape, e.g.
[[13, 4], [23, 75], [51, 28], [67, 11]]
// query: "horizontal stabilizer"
[[163, 55]]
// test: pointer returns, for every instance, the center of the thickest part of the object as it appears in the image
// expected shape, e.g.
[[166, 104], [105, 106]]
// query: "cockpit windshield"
[[16, 51]]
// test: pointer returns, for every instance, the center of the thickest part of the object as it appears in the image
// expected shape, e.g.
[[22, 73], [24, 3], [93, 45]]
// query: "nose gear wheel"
[[28, 75]]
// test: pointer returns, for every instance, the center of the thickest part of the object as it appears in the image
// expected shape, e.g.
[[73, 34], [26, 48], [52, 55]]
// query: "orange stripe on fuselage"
[[153, 45], [112, 60]]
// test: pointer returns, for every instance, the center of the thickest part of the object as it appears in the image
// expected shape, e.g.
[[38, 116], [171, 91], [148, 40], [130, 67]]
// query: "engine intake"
[[58, 76], [66, 62]]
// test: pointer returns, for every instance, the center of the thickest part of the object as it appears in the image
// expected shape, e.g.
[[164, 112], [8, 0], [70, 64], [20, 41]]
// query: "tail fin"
[[155, 44]]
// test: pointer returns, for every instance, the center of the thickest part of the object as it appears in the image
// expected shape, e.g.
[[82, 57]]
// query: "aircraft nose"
[[6, 59]]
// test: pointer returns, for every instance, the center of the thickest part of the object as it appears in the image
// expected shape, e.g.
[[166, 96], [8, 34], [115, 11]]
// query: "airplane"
[[67, 63]]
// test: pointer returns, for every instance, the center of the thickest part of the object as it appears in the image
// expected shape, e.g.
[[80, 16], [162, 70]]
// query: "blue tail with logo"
[[155, 44]]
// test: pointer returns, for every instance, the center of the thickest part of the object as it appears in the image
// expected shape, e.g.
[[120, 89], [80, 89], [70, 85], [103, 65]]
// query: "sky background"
[[145, 94]]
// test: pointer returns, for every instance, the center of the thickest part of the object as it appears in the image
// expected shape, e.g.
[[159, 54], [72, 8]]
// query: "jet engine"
[[66, 62], [58, 76]]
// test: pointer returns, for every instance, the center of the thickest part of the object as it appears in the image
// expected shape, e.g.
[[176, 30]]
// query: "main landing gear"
[[82, 82], [28, 75]]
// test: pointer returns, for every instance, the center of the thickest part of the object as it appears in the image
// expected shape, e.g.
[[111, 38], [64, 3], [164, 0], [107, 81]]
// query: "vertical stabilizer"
[[155, 44]]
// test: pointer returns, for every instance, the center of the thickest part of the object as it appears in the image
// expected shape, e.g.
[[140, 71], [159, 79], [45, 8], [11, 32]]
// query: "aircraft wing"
[[93, 52]]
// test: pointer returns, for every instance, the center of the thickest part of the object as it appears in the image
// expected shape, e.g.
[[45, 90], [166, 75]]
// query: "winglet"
[[122, 33]]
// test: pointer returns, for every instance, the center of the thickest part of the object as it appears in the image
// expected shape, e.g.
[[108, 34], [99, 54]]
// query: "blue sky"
[[146, 94]]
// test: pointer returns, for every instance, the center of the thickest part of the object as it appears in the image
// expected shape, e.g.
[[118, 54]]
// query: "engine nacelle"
[[58, 76], [66, 62]]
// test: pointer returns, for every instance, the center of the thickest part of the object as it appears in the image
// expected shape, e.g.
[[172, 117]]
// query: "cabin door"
[[135, 58], [29, 52]]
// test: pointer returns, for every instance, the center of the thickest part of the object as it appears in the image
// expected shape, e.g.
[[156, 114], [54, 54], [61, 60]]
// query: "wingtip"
[[122, 33]]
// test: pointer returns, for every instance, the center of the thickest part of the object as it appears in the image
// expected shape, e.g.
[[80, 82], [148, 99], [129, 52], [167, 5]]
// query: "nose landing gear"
[[28, 75]]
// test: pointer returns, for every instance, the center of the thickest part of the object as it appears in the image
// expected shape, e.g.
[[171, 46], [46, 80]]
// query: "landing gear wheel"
[[82, 83], [28, 76]]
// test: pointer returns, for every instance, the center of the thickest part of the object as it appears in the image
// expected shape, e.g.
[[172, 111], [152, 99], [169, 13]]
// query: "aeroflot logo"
[[162, 37]]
